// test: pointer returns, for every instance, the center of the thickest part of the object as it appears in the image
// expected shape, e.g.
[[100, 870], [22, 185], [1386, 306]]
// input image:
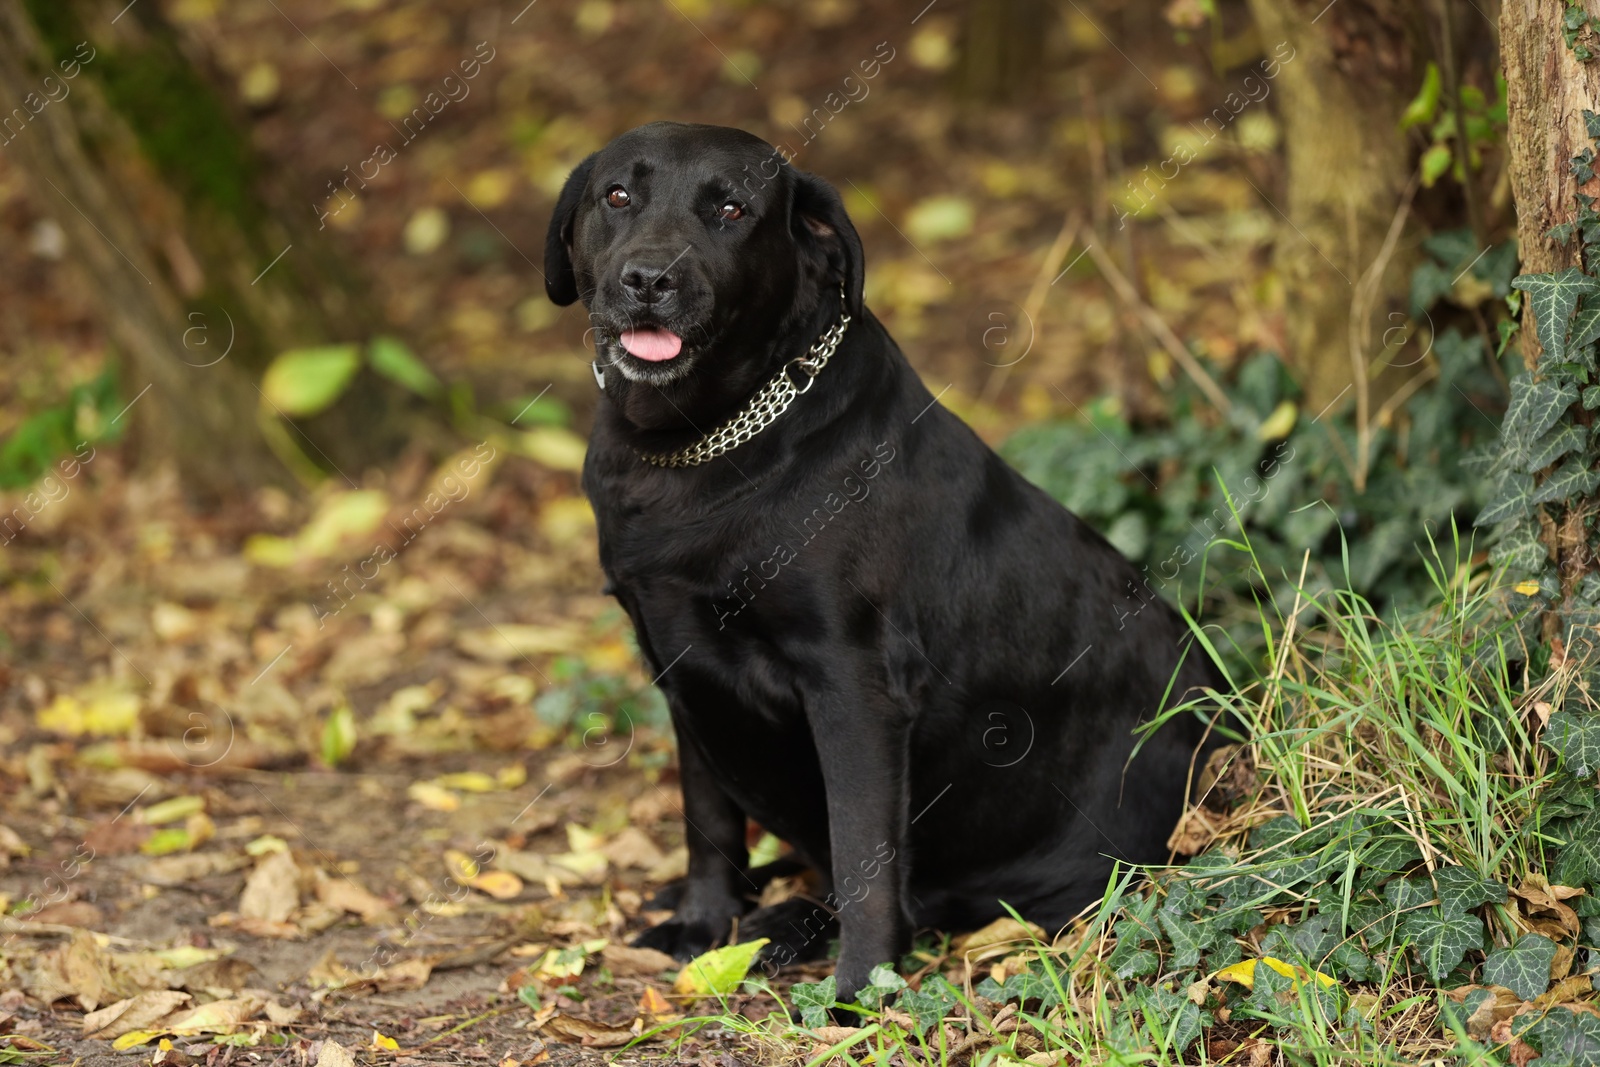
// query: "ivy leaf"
[[1534, 407], [1167, 1013], [881, 982], [1564, 1038], [1524, 968], [1270, 991], [1520, 550], [1460, 889], [1442, 940], [1189, 938], [813, 999], [1574, 478], [1576, 740], [1585, 326], [1513, 498], [929, 1004], [1579, 861], [1129, 961], [1553, 297], [1552, 446]]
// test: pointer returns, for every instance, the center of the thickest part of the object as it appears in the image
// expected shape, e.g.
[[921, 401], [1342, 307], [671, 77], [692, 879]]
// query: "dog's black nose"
[[648, 284]]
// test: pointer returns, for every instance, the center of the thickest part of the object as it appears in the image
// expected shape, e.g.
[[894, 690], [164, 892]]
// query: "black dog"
[[876, 639]]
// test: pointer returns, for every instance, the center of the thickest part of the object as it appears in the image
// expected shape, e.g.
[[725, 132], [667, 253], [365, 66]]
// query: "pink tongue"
[[651, 343]]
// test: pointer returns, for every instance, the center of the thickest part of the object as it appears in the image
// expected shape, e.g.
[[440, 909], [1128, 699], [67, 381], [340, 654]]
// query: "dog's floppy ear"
[[560, 283], [822, 229]]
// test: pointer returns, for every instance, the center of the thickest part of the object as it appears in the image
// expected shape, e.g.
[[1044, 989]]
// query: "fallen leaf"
[[627, 960], [652, 1003], [510, 641], [719, 971], [1000, 932], [1244, 972], [633, 848], [272, 891], [578, 1031], [502, 885], [432, 796], [346, 895], [217, 1017], [136, 1013], [334, 1054]]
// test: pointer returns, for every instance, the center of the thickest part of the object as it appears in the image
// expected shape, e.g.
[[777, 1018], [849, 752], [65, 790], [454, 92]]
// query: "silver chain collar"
[[763, 409]]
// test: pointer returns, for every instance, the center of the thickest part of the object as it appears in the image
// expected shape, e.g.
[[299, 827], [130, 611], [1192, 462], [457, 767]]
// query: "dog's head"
[[694, 247]]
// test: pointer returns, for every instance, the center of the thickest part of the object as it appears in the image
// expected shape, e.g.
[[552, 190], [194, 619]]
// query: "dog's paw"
[[680, 939], [796, 930]]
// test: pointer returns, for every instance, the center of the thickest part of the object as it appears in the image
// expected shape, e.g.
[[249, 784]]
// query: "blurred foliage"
[[54, 432]]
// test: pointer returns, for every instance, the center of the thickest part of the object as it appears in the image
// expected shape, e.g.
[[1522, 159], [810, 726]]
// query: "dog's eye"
[[732, 211], [618, 197]]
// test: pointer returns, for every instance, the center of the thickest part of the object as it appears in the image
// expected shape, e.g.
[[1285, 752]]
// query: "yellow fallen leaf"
[[467, 782], [719, 971], [459, 866], [1244, 972], [135, 1038], [502, 885], [389, 1044], [260, 846], [432, 796], [172, 810], [511, 776], [1527, 588]]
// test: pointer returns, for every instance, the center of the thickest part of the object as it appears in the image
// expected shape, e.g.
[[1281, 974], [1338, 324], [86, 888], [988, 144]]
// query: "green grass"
[[1393, 789]]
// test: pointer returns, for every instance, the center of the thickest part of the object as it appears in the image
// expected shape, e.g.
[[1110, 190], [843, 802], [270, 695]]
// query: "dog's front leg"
[[863, 742], [714, 833]]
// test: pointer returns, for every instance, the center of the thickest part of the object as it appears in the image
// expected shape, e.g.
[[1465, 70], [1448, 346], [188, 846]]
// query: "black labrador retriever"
[[876, 639]]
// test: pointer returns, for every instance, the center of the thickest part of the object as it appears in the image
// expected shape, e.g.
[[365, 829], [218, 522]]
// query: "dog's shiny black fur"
[[876, 639]]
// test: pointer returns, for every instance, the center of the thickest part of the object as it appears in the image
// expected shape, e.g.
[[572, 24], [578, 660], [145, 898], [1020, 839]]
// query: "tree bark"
[[1340, 97], [1547, 91], [154, 183], [1002, 49]]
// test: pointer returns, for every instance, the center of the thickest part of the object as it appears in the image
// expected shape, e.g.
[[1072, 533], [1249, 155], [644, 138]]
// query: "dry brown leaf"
[[1195, 831], [272, 891], [832, 1035], [653, 1004], [334, 1054], [1000, 932], [135, 1013], [675, 865], [346, 895], [217, 1017], [69, 913], [180, 870], [633, 848], [84, 970], [576, 1031], [627, 960]]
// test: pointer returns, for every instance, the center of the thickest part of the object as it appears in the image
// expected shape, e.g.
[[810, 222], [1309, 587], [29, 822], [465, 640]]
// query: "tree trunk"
[[1340, 96], [154, 183], [1002, 49], [1547, 91]]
